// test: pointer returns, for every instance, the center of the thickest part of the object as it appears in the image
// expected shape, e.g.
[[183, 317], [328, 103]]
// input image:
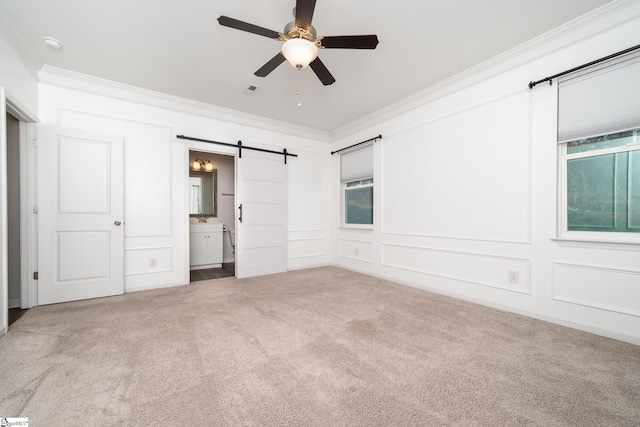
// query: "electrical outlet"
[[153, 262], [513, 277], [357, 252]]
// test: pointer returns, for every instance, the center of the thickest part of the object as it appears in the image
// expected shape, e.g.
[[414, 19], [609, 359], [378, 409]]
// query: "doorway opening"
[[211, 215], [13, 218], [15, 244]]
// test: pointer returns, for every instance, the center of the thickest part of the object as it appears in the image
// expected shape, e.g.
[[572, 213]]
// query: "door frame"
[[28, 220], [28, 203], [28, 242], [205, 148]]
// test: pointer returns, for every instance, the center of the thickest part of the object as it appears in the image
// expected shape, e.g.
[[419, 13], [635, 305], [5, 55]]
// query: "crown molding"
[[18, 43], [586, 26], [77, 81]]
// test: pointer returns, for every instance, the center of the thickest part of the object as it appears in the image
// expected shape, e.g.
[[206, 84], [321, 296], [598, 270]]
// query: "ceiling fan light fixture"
[[299, 52]]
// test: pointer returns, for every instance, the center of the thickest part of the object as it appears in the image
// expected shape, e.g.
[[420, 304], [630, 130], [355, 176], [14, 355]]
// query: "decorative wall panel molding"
[[142, 260], [435, 181], [605, 288], [359, 250], [480, 269], [306, 248], [307, 191]]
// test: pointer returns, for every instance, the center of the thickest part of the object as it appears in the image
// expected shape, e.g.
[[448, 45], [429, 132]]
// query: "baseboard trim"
[[129, 289]]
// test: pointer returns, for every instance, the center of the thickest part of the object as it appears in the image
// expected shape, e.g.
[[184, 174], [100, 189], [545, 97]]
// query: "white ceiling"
[[178, 47]]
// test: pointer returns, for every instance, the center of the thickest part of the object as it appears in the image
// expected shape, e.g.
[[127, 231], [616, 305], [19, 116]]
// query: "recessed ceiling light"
[[52, 43]]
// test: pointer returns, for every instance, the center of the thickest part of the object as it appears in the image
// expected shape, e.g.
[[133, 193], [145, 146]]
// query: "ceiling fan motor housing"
[[292, 32]]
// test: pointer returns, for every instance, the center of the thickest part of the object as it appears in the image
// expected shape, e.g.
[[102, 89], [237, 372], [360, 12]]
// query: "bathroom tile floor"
[[228, 270], [15, 314]]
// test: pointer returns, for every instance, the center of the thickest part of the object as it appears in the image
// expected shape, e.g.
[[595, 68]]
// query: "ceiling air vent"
[[250, 90]]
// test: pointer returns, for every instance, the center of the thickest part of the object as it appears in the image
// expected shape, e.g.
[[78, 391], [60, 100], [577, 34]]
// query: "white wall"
[[19, 79], [156, 169], [465, 190]]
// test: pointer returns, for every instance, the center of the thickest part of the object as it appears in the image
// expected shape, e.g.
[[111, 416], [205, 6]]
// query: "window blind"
[[357, 163], [601, 99]]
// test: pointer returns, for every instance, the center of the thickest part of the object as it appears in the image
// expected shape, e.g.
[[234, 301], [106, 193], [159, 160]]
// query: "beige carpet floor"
[[319, 347]]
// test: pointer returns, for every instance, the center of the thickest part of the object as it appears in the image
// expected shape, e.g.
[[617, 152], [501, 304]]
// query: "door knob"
[[117, 223]]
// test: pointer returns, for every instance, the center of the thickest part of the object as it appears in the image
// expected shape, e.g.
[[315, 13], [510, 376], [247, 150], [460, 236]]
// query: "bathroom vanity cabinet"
[[205, 243]]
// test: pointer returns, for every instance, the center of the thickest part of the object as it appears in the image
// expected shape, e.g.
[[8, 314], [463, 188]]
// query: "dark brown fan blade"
[[321, 71], [350, 42], [271, 65], [250, 28], [304, 13]]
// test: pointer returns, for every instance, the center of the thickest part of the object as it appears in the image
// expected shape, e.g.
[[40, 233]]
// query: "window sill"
[[356, 228], [631, 244]]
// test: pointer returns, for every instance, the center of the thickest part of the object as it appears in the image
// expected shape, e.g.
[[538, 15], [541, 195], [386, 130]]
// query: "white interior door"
[[261, 230], [80, 215]]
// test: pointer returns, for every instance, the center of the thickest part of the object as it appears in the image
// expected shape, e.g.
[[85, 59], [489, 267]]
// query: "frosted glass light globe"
[[299, 52]]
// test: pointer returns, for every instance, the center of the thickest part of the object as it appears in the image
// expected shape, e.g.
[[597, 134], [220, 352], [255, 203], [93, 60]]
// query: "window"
[[599, 137], [603, 183], [358, 202], [356, 176]]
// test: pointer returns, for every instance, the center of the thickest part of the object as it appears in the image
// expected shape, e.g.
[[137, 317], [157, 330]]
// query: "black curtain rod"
[[355, 145], [597, 61], [239, 146]]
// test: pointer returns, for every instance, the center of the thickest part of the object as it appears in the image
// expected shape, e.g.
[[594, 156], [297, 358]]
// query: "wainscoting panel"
[[306, 244], [360, 250], [147, 260], [306, 248], [306, 191], [463, 176], [481, 269], [599, 287]]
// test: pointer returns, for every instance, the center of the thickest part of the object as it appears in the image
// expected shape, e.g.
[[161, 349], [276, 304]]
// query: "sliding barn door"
[[80, 215], [261, 230]]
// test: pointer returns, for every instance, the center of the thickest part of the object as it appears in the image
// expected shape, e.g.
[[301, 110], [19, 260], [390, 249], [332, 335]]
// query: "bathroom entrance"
[[211, 194]]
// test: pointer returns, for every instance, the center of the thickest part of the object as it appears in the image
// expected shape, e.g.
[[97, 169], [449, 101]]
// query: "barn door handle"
[[240, 207], [117, 223]]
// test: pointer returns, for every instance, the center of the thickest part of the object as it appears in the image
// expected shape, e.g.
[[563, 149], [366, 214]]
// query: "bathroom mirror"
[[203, 191]]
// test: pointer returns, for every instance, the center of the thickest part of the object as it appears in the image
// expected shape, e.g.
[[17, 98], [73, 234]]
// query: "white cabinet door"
[[198, 248], [206, 249], [214, 248], [80, 215], [261, 229]]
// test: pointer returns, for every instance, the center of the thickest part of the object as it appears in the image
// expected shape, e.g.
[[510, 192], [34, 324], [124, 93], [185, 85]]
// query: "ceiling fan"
[[301, 43]]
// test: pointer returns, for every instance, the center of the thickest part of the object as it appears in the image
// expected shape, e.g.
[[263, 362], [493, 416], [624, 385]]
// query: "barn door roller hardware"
[[240, 147]]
